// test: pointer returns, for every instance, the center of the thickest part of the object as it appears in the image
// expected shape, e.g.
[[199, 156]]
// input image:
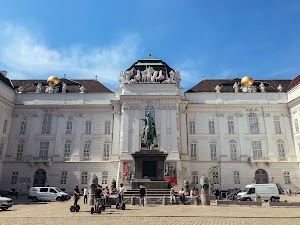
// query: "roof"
[[226, 85], [91, 86], [294, 82], [5, 80]]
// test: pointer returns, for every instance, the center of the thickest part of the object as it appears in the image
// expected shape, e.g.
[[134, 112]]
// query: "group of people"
[[101, 195]]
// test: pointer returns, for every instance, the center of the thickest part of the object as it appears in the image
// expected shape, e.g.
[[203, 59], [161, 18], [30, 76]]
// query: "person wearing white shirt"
[[85, 195]]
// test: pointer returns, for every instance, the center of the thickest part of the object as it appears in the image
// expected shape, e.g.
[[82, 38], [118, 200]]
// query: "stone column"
[[183, 131], [116, 130], [124, 129], [163, 132], [79, 124], [136, 129]]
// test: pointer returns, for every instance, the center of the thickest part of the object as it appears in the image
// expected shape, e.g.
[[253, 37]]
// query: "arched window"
[[151, 110], [67, 149], [20, 149], [87, 150], [46, 126], [233, 151], [280, 147], [253, 123]]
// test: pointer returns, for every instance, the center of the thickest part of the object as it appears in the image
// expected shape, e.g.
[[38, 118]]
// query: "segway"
[[94, 210], [74, 208], [121, 204]]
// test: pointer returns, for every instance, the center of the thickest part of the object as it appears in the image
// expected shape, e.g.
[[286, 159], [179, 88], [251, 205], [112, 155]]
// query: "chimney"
[[3, 72]]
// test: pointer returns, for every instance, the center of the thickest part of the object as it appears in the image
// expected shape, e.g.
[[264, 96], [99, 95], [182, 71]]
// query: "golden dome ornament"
[[53, 80], [247, 81]]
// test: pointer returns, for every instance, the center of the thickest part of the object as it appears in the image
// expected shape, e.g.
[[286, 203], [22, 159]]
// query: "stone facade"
[[62, 138]]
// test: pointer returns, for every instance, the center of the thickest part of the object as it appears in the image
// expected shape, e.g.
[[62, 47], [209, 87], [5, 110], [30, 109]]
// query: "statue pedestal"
[[149, 169]]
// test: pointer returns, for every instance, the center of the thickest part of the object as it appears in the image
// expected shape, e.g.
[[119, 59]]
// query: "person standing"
[[17, 190], [143, 194], [85, 195], [121, 192], [98, 193], [76, 194]]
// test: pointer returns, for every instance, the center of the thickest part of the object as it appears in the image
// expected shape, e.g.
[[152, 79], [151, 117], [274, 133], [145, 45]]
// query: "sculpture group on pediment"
[[38, 88], [149, 75]]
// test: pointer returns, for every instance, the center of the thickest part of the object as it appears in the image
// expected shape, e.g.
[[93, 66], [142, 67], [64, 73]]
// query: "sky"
[[84, 38]]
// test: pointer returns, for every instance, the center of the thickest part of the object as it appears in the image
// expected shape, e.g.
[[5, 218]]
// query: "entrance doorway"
[[40, 177], [261, 176]]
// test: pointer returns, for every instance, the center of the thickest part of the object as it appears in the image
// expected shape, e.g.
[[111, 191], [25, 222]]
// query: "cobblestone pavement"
[[25, 212]]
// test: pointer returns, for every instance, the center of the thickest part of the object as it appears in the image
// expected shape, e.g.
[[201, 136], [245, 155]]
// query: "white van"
[[47, 194], [267, 192]]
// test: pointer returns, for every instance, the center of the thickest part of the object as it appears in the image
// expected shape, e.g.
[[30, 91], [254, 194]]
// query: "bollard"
[[164, 201], [132, 200], [93, 185], [204, 193]]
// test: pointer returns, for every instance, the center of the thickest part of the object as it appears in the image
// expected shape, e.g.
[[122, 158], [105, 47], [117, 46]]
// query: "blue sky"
[[217, 38]]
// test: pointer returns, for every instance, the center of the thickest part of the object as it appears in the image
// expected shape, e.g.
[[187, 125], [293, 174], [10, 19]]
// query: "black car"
[[4, 193]]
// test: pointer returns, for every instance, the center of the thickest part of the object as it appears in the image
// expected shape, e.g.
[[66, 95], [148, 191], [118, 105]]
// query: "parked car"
[[47, 194], [5, 193], [232, 195], [5, 203]]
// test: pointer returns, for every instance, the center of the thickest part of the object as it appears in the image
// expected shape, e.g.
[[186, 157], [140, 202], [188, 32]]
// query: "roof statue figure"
[[149, 133]]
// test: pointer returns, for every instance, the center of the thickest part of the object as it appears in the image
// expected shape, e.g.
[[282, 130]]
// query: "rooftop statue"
[[149, 133]]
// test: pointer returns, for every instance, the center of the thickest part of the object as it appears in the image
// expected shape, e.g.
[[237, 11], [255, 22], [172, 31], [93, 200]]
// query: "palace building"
[[60, 132]]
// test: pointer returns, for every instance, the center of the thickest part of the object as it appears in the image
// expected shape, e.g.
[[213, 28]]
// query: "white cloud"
[[25, 56]]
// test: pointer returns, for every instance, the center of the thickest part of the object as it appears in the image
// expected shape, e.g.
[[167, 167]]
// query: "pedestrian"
[[85, 195], [121, 192], [218, 194], [143, 194], [172, 196], [17, 190], [295, 192], [182, 196], [192, 192], [106, 195], [76, 194]]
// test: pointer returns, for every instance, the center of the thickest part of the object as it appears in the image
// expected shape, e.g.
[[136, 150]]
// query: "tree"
[[211, 176]]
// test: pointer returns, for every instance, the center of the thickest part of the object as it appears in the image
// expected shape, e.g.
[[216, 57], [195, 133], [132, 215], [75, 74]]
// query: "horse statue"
[[149, 131]]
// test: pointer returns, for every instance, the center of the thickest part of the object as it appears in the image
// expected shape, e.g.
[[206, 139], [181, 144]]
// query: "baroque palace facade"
[[60, 132]]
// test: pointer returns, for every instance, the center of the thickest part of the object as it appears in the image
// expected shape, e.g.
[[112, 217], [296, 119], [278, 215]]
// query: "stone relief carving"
[[285, 115], [79, 115], [279, 88], [49, 88], [60, 115], [219, 114], [248, 89], [34, 115], [266, 115], [239, 114]]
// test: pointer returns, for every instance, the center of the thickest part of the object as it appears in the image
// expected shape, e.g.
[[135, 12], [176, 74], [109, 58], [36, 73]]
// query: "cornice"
[[58, 107], [153, 97]]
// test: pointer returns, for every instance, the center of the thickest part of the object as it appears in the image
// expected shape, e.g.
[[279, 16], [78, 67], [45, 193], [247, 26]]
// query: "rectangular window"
[[195, 178], [230, 127], [88, 127], [277, 125], [1, 148], [216, 177], [233, 154], [20, 150], [67, 151], [280, 148], [14, 178], [192, 126], [63, 178], [69, 127], [5, 126], [236, 177], [106, 148], [211, 125], [193, 151], [46, 126], [44, 148], [107, 127], [23, 127], [86, 150], [104, 177], [213, 152], [256, 148], [84, 177], [296, 125], [287, 179]]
